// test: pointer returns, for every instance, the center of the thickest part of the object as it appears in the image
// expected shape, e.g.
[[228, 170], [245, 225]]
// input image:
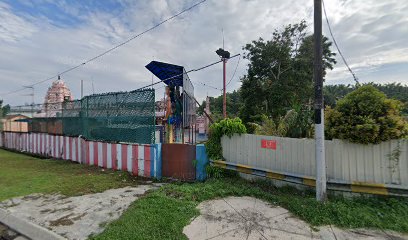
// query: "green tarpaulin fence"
[[117, 117]]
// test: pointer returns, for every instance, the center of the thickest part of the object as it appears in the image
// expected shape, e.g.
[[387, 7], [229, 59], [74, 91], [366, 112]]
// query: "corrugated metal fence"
[[385, 163], [140, 159]]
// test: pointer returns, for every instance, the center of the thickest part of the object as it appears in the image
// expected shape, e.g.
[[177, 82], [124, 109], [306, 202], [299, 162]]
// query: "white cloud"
[[12, 27], [33, 48]]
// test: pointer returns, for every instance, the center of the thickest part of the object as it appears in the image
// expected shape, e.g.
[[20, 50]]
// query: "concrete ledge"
[[332, 184], [27, 228]]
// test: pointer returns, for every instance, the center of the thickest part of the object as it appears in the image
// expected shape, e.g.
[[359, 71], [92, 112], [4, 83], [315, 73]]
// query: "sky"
[[40, 38]]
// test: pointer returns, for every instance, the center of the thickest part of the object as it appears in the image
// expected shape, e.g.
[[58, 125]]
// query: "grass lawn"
[[162, 214], [22, 175]]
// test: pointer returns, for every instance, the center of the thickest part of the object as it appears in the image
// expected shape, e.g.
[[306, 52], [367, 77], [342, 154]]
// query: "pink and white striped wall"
[[140, 159]]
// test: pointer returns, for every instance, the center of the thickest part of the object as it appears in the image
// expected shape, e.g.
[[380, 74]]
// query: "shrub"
[[225, 127], [365, 116], [297, 123]]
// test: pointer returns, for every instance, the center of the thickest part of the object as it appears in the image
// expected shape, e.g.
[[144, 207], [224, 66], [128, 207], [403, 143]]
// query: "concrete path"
[[74, 217], [251, 218], [9, 234]]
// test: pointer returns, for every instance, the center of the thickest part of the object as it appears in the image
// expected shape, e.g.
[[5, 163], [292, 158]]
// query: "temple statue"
[[168, 116]]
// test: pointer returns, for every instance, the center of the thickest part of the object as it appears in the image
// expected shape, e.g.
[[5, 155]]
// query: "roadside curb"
[[27, 228]]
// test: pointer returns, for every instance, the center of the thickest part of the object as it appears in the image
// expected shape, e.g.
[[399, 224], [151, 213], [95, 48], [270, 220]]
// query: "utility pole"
[[224, 102], [32, 98], [319, 104], [82, 88], [225, 55]]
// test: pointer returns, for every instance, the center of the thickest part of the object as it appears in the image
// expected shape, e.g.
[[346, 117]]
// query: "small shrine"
[[179, 102]]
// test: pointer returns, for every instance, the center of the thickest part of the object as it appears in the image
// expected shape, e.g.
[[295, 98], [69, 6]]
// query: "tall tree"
[[280, 72], [4, 110], [333, 93], [234, 104]]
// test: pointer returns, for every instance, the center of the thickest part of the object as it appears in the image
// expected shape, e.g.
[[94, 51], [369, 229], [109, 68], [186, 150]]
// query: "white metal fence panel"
[[384, 163]]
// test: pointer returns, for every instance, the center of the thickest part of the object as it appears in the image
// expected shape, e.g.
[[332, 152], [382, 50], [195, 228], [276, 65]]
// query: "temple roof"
[[58, 92]]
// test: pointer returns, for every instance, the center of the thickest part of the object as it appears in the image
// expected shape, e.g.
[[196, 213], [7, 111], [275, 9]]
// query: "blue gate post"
[[156, 170], [202, 162]]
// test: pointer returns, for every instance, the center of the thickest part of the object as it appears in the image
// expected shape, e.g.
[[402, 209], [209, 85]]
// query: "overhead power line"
[[172, 77], [111, 49], [207, 85], [236, 67], [181, 74], [337, 46]]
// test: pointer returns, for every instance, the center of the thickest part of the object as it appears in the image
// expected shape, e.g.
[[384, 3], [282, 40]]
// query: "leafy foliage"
[[234, 103], [178, 205], [4, 110], [297, 123], [333, 93], [280, 73], [366, 115], [214, 172], [225, 127]]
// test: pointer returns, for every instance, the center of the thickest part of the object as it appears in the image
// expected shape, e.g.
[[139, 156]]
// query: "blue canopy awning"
[[173, 73]]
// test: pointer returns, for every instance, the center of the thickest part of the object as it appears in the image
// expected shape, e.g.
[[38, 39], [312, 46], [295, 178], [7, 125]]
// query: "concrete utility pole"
[[82, 88], [319, 104]]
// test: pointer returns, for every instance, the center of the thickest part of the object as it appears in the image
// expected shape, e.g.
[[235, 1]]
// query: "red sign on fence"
[[270, 144]]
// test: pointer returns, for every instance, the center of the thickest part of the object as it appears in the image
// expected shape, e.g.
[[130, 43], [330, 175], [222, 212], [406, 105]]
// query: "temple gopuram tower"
[[54, 98]]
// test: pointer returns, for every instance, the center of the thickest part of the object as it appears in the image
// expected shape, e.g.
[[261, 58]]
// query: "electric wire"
[[181, 74], [204, 84], [169, 78], [172, 77], [337, 47], [233, 75], [111, 49]]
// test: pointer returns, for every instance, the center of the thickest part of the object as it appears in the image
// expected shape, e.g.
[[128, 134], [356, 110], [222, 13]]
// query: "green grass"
[[162, 214], [22, 175]]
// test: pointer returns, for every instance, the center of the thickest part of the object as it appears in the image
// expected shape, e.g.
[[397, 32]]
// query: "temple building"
[[202, 122], [54, 98]]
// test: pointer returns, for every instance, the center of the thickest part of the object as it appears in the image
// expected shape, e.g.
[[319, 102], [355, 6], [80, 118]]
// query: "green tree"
[[395, 91], [4, 110], [234, 104], [366, 115], [297, 123], [333, 93], [280, 73]]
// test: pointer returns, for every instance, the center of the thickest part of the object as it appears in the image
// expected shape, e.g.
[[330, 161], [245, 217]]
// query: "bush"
[[297, 123], [365, 116], [217, 130]]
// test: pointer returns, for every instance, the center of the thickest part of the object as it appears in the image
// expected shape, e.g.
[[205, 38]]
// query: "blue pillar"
[[156, 169], [202, 162]]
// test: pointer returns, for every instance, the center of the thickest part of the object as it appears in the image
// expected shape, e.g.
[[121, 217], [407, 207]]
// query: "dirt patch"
[[64, 221]]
